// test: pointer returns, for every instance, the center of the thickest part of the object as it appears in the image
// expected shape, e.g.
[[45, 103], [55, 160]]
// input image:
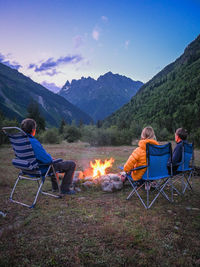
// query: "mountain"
[[99, 98], [170, 99], [17, 91]]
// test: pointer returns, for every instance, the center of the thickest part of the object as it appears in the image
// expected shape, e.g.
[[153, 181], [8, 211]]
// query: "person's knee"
[[73, 165]]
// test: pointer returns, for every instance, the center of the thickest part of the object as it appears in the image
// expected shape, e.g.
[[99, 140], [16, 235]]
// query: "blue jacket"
[[40, 153]]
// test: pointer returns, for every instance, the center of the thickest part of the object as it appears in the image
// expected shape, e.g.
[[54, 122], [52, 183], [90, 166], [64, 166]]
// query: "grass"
[[94, 228]]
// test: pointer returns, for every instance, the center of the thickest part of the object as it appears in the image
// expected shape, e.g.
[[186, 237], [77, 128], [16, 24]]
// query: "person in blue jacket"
[[66, 167], [180, 137]]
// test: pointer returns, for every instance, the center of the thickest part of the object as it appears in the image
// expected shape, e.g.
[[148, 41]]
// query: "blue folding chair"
[[185, 168], [156, 171], [25, 161]]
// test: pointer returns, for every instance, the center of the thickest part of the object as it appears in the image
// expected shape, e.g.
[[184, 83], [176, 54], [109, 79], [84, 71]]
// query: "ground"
[[94, 228]]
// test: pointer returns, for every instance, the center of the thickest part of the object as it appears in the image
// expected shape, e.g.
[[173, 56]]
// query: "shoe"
[[69, 192]]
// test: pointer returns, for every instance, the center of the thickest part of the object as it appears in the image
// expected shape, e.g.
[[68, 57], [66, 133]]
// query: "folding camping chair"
[[156, 170], [185, 168], [26, 162]]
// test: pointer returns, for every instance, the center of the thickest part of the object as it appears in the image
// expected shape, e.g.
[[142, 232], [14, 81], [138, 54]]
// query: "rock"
[[75, 180], [104, 178], [107, 186], [114, 177], [77, 189], [117, 184], [78, 174], [88, 184], [89, 178]]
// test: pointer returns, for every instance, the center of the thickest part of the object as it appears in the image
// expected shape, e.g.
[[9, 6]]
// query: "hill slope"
[[170, 99], [100, 97], [17, 91]]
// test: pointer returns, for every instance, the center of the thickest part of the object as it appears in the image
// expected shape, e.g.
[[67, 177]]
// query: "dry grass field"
[[94, 228]]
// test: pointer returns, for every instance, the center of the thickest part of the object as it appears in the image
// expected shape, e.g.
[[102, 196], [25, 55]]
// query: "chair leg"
[[13, 190], [187, 183]]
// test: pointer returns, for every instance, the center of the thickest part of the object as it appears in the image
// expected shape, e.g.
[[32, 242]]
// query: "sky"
[[52, 41]]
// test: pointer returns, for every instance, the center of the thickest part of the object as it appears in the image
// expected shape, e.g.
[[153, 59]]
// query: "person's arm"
[[40, 153], [177, 154], [132, 160]]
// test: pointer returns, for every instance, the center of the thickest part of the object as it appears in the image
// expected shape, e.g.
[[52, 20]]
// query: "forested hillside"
[[17, 92], [169, 100]]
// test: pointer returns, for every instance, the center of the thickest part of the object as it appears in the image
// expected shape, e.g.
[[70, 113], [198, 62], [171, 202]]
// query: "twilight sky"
[[53, 41]]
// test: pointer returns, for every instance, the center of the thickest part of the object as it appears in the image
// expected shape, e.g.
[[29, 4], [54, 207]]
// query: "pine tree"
[[34, 113], [62, 124]]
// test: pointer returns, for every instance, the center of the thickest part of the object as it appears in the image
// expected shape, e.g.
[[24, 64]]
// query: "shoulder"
[[34, 141]]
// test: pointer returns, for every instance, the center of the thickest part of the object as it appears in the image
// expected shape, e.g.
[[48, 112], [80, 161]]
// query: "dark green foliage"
[[106, 136], [6, 123], [170, 100], [34, 113], [50, 136], [62, 124], [71, 133]]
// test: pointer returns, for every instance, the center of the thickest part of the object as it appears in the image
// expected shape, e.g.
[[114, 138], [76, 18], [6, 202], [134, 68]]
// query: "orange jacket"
[[138, 158]]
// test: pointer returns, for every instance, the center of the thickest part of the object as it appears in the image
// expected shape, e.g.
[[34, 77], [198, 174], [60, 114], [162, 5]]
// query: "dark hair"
[[182, 133], [28, 125]]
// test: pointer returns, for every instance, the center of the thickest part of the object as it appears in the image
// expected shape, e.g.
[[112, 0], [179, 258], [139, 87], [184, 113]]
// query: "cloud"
[[11, 64], [95, 35], [127, 43], [104, 18], [51, 86], [52, 72], [78, 41], [51, 63]]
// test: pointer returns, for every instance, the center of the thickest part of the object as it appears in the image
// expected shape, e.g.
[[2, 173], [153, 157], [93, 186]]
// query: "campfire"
[[97, 174], [99, 167]]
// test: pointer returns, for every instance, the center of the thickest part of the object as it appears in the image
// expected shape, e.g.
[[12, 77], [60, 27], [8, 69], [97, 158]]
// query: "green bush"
[[163, 135], [49, 136], [106, 137], [71, 133], [6, 123], [195, 137]]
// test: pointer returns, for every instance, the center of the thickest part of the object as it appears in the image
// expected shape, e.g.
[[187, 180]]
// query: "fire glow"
[[99, 167]]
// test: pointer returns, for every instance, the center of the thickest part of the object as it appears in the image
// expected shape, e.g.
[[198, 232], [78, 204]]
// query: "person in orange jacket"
[[138, 156]]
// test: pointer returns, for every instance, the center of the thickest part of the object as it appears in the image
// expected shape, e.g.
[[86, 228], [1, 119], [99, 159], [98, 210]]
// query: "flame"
[[99, 168]]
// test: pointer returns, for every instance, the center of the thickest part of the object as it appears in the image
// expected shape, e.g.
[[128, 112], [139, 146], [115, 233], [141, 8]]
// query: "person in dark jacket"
[[180, 137], [66, 167]]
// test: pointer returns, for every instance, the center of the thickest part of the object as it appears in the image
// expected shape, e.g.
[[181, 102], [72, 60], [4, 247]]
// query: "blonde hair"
[[148, 133]]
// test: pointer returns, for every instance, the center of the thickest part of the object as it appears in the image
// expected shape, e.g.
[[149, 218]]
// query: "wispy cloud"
[[104, 18], [127, 43], [78, 41], [52, 72], [51, 63], [95, 34], [51, 86], [11, 64]]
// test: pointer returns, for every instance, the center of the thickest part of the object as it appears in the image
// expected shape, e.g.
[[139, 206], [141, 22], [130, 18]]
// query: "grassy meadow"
[[94, 228]]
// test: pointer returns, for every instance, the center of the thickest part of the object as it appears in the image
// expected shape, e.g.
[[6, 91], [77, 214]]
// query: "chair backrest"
[[157, 159], [25, 157], [187, 157]]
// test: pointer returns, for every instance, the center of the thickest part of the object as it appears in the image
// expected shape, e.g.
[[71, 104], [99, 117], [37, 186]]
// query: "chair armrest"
[[137, 168], [57, 160]]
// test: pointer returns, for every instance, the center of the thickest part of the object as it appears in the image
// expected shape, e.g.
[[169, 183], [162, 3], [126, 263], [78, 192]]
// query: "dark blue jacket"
[[177, 153]]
